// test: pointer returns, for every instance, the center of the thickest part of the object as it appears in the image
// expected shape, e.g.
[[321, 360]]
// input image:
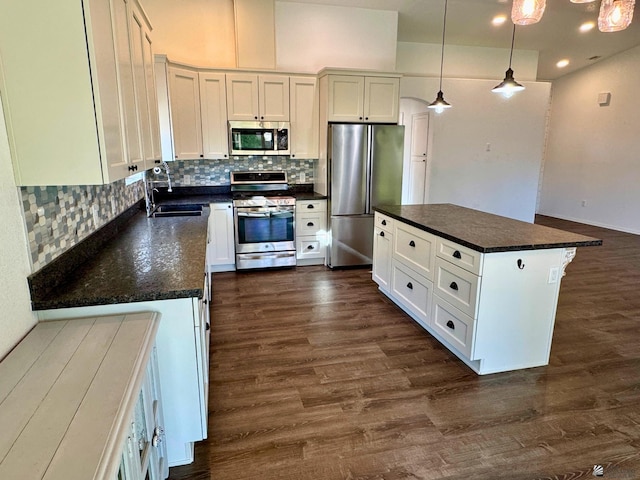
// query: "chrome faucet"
[[150, 183]]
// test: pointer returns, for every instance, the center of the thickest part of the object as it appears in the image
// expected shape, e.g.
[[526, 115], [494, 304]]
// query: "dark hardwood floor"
[[316, 375]]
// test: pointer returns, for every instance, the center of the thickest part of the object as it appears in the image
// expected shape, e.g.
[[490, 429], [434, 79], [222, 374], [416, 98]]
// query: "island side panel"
[[517, 309]]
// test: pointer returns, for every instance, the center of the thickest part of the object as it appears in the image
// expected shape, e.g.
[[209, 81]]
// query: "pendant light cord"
[[444, 27], [513, 37]]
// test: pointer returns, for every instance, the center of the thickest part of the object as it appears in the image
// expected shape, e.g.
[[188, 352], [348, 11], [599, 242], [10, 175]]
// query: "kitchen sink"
[[182, 210]]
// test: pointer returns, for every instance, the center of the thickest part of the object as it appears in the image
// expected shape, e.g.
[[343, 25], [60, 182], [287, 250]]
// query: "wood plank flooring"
[[316, 375]]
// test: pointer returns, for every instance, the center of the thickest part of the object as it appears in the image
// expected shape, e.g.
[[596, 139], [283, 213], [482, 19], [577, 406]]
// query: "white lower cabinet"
[[221, 252], [311, 232], [495, 311]]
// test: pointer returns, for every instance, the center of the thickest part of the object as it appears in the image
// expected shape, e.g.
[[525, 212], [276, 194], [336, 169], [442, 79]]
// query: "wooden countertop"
[[67, 393], [483, 232]]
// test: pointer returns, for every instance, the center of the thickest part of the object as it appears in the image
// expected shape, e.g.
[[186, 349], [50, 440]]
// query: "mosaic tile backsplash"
[[59, 217], [187, 173]]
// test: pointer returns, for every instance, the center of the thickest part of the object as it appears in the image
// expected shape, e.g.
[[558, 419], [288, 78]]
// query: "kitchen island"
[[485, 286]]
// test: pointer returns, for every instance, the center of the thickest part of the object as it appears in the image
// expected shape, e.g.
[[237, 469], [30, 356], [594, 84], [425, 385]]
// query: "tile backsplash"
[[186, 173], [59, 217]]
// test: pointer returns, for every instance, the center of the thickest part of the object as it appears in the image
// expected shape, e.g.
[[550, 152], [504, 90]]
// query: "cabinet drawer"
[[311, 223], [310, 247], [415, 248], [383, 222], [457, 286], [463, 257], [310, 206], [453, 325], [412, 289]]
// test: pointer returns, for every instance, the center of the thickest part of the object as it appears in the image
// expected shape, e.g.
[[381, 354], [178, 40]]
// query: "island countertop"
[[483, 232]]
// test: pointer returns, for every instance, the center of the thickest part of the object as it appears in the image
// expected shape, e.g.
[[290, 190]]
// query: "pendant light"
[[439, 104], [615, 15], [509, 85], [527, 12]]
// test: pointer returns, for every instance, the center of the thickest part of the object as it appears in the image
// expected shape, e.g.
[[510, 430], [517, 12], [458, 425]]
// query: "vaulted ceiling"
[[555, 37]]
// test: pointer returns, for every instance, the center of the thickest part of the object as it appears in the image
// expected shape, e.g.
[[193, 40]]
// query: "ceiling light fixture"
[[582, 1], [439, 104], [527, 12], [587, 26], [499, 20], [509, 86], [615, 15], [562, 63]]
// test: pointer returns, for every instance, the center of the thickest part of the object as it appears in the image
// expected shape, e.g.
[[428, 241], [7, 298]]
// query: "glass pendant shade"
[[527, 12], [615, 15], [509, 85], [439, 104]]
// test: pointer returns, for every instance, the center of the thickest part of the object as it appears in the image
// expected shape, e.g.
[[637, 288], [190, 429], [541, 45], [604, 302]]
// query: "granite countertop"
[[484, 232], [149, 259]]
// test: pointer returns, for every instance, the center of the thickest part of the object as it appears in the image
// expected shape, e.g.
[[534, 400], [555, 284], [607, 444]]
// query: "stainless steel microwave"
[[259, 138]]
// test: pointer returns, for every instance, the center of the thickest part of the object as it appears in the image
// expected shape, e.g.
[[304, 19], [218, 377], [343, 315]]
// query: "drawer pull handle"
[[457, 254], [384, 222], [208, 327], [382, 234], [520, 264], [453, 286], [412, 243], [310, 206], [410, 286], [451, 325], [310, 247], [310, 224]]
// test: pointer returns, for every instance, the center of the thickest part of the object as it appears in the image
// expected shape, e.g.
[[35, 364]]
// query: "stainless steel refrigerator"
[[365, 170]]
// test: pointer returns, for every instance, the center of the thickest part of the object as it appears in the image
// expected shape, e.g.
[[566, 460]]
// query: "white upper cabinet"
[[213, 108], [185, 113], [80, 123], [370, 99], [304, 117], [258, 97]]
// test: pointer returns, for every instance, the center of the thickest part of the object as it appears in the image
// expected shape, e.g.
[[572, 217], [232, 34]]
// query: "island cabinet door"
[[517, 308]]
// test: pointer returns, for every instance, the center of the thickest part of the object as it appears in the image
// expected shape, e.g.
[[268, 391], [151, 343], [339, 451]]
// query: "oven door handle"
[[254, 214]]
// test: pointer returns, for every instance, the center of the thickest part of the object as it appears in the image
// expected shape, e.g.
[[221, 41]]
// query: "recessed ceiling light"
[[499, 20], [586, 26], [562, 63]]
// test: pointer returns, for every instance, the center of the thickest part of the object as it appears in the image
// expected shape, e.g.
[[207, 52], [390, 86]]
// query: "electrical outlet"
[[186, 179], [96, 217], [554, 273], [584, 203], [303, 177]]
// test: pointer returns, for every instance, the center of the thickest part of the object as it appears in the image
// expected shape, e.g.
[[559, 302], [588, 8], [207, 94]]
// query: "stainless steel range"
[[264, 219]]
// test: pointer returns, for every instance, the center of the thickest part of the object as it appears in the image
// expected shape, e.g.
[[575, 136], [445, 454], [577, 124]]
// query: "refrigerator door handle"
[[369, 169]]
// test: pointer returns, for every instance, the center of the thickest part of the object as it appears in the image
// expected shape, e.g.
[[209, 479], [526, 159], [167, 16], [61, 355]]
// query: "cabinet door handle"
[[384, 222], [309, 224], [451, 325], [412, 243], [207, 327], [157, 161], [204, 301], [410, 286], [453, 286], [382, 234], [457, 254], [310, 206]]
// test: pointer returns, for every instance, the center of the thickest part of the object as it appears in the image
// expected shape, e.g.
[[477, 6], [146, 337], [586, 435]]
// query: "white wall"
[[311, 37], [487, 150], [15, 304], [592, 150], [465, 62], [197, 32]]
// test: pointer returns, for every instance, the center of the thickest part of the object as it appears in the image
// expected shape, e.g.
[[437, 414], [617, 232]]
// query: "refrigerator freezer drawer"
[[351, 241]]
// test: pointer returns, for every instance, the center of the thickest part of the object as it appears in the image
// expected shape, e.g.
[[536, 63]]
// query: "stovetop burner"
[[265, 188]]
